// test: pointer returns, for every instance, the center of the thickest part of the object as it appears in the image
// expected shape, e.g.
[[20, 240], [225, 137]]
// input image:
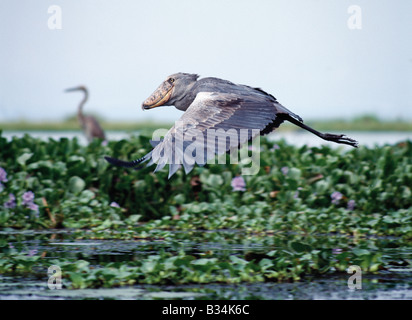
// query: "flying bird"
[[89, 124], [212, 104]]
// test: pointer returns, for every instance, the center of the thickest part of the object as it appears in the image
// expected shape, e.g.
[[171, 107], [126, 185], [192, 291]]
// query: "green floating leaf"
[[204, 261], [300, 247], [23, 158], [77, 279], [86, 196], [212, 180], [76, 184], [361, 252], [180, 199], [186, 260], [75, 158], [294, 173]]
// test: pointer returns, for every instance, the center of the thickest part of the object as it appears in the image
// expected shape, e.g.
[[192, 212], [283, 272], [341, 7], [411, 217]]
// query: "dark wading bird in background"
[[89, 124], [212, 103]]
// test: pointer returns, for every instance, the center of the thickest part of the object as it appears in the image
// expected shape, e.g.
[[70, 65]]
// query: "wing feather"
[[228, 112], [235, 117]]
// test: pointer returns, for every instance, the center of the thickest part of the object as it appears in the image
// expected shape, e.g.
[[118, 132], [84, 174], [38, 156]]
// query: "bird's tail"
[[128, 164]]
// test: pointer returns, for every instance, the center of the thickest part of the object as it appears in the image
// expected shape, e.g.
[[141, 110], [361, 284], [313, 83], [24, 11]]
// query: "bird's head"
[[78, 88], [170, 91]]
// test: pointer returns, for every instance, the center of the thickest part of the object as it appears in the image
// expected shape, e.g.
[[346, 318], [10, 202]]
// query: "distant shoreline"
[[359, 124]]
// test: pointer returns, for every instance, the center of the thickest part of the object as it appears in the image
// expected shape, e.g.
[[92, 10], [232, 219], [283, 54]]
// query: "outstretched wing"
[[214, 123]]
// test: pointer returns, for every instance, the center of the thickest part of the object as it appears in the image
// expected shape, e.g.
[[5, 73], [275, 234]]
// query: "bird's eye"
[[171, 80]]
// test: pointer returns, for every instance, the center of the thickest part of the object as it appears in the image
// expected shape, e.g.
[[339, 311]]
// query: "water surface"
[[297, 138], [393, 283]]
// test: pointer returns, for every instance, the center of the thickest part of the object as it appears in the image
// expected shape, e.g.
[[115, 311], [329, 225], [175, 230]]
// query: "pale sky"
[[301, 51]]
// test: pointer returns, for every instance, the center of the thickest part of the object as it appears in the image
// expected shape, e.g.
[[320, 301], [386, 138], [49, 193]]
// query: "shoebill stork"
[[89, 124], [212, 103]]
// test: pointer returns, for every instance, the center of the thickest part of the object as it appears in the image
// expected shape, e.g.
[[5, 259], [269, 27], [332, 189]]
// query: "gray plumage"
[[211, 103]]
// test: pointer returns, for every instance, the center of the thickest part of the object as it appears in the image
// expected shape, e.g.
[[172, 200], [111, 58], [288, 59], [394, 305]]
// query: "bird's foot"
[[341, 138]]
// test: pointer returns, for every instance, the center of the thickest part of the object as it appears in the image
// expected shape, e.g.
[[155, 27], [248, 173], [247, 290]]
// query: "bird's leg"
[[338, 138]]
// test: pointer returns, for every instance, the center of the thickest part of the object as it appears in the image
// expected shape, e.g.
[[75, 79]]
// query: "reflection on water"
[[392, 287], [298, 138]]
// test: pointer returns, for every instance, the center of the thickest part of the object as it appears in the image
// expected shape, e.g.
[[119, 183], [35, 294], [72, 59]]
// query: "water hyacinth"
[[11, 203], [28, 198], [351, 205], [33, 206], [114, 204], [32, 252], [336, 197], [296, 195], [238, 184], [3, 178], [3, 175], [284, 170]]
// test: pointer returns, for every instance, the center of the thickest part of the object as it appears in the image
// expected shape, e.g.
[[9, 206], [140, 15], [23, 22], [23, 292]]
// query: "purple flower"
[[296, 195], [275, 147], [3, 175], [336, 197], [11, 203], [28, 198], [284, 170], [115, 205], [351, 205], [32, 252], [336, 250], [34, 207], [238, 184]]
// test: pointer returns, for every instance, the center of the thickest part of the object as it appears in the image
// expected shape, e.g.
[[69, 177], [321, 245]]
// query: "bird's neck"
[[187, 98], [184, 103], [80, 115]]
